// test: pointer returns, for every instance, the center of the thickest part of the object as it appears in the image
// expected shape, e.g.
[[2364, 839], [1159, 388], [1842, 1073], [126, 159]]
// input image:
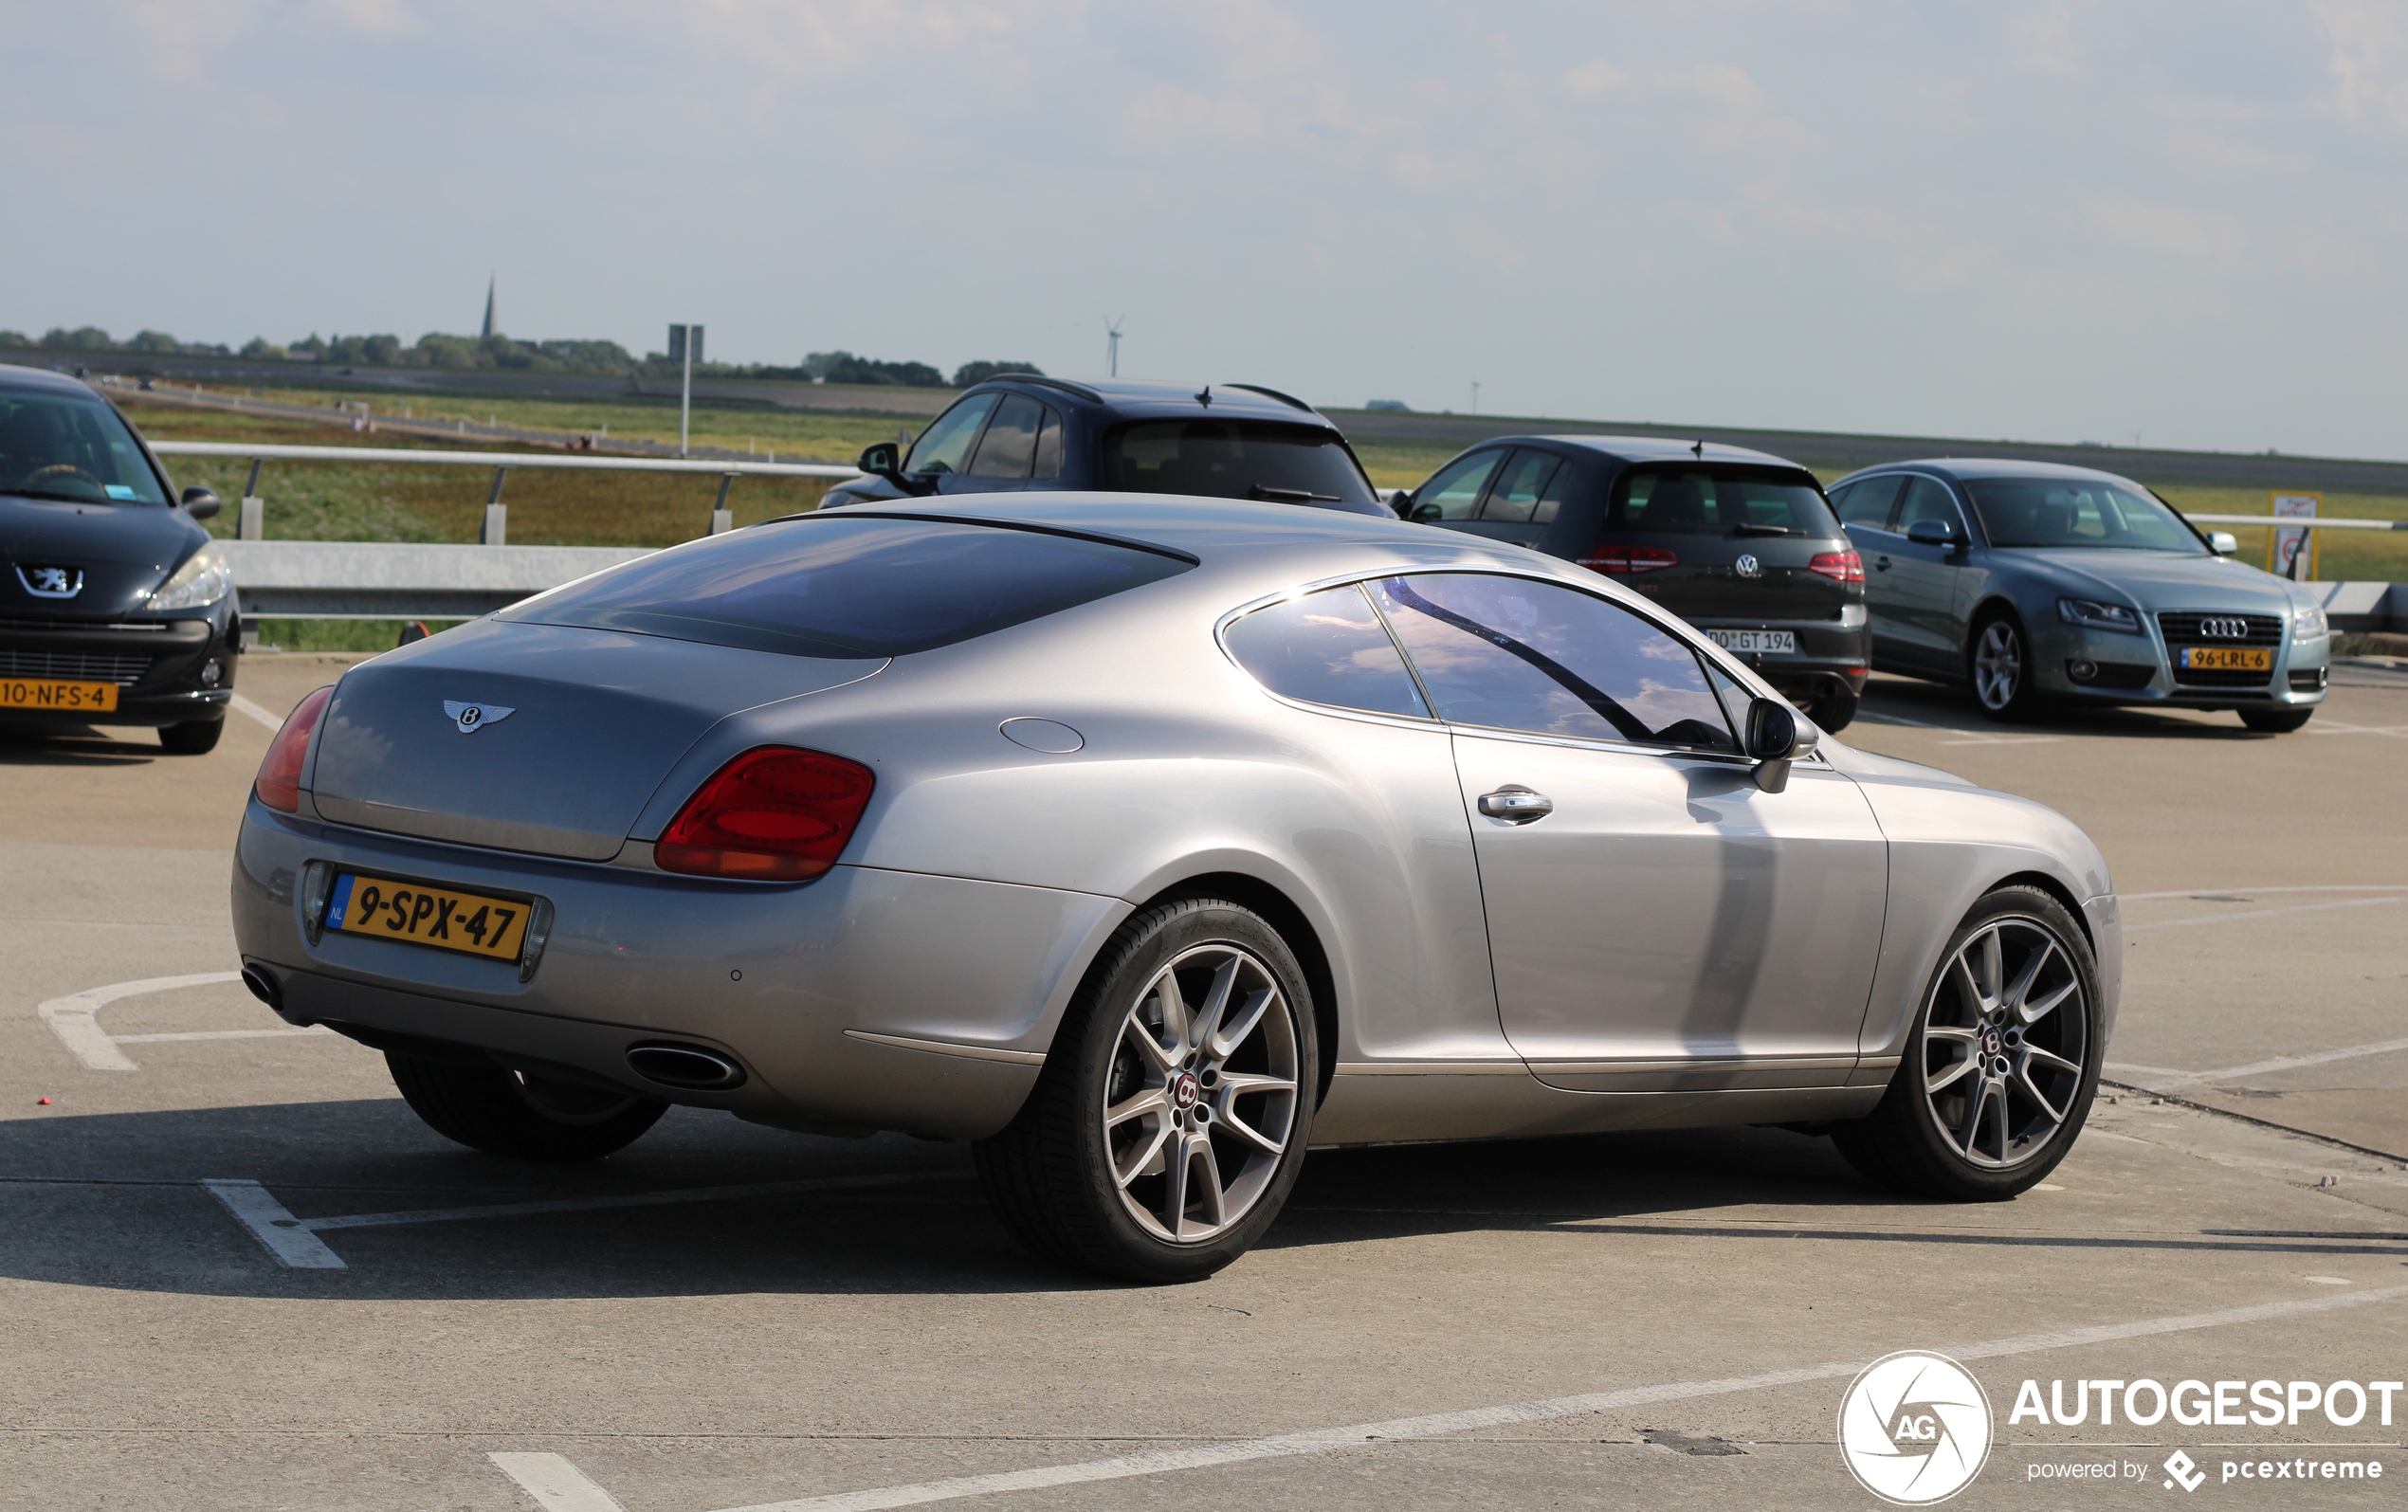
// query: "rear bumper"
[[1827, 651], [869, 999]]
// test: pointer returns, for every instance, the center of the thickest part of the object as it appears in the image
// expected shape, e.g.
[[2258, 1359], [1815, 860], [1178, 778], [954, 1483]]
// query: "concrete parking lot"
[[236, 1272]]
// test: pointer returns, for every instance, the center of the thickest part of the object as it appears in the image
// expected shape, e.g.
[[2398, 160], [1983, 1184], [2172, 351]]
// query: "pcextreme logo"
[[1914, 1427]]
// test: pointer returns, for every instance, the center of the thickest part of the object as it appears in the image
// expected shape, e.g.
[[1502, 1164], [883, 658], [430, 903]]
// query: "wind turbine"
[[1112, 348]]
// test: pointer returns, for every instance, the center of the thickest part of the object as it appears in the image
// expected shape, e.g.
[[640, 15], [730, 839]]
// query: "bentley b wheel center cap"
[[1992, 1045], [1185, 1090]]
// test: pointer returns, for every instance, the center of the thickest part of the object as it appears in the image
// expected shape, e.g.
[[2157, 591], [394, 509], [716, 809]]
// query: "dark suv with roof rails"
[[1020, 430], [1740, 544], [115, 609]]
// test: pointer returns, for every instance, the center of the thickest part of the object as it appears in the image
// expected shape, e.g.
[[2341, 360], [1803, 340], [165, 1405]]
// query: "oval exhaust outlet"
[[264, 986], [689, 1067]]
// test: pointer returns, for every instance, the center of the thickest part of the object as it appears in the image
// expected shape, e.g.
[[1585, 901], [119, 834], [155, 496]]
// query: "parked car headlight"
[[2092, 614], [197, 583], [2308, 622]]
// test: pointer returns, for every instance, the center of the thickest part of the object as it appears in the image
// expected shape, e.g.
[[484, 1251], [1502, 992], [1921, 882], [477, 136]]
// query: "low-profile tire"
[[2276, 721], [1836, 710], [191, 738], [2002, 1061], [1999, 665], [523, 1117], [1171, 1119]]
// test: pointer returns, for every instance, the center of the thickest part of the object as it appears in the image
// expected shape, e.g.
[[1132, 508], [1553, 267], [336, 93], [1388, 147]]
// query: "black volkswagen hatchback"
[[1221, 441], [1740, 544], [114, 606]]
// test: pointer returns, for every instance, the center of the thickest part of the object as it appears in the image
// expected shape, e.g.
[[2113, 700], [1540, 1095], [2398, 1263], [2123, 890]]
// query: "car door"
[[1926, 583], [1006, 450], [942, 452], [1452, 496], [1662, 924], [1523, 498], [1866, 509]]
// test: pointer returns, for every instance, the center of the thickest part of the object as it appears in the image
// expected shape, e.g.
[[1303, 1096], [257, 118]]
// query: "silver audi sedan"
[[1146, 842]]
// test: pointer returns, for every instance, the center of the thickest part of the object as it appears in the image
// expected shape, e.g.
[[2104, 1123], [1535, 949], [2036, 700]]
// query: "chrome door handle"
[[1516, 805]]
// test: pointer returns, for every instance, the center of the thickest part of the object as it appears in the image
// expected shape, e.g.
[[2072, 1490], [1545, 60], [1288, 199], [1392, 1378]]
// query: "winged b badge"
[[474, 717]]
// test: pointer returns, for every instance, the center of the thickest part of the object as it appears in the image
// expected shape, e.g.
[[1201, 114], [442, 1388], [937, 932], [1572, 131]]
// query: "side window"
[[1927, 498], [1327, 647], [1866, 502], [1520, 485], [1455, 492], [1049, 446], [1551, 496], [1518, 654], [1011, 440], [943, 445]]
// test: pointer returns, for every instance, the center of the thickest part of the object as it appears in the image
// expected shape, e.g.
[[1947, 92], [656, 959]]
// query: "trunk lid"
[[1708, 585], [594, 720]]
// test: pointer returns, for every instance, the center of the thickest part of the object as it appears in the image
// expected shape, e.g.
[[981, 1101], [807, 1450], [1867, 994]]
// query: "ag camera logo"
[[1914, 1427]]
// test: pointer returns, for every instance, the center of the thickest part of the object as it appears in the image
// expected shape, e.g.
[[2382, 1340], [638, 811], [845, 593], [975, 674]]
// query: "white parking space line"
[[1320, 1441], [264, 1215], [218, 1034], [74, 1019], [2205, 892], [250, 710], [2165, 1079], [274, 1225], [2263, 913], [2018, 740], [556, 1485]]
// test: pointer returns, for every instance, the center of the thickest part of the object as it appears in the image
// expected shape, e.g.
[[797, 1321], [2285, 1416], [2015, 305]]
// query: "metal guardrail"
[[2298, 522], [251, 522], [342, 579]]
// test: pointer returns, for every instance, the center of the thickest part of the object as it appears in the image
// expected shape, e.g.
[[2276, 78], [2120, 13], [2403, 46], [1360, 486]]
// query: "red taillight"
[[1840, 567], [773, 814], [1623, 560], [279, 781]]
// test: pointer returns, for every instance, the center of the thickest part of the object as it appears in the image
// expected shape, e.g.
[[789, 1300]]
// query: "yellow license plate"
[[2228, 659], [419, 915], [73, 698]]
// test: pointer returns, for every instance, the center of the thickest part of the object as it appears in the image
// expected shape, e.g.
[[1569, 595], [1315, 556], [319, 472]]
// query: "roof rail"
[[1287, 399], [1063, 384]]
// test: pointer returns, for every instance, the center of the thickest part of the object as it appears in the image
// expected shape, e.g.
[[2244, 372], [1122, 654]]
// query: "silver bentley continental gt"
[[1147, 843]]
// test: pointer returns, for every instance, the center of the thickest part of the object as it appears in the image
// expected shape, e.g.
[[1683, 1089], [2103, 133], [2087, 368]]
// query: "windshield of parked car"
[[1235, 459], [1719, 502], [61, 446], [852, 586], [2078, 512]]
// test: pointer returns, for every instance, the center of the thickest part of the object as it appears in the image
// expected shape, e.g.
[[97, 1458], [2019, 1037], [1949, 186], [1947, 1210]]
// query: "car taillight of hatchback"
[[1840, 567], [775, 813], [1621, 561]]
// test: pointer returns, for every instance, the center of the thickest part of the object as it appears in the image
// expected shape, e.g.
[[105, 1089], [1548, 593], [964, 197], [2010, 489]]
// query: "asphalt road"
[[1677, 1314]]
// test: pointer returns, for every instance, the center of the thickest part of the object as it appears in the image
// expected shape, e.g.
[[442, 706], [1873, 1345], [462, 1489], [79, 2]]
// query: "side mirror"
[[881, 460], [2223, 542], [1932, 533], [1776, 737], [1401, 502], [200, 502]]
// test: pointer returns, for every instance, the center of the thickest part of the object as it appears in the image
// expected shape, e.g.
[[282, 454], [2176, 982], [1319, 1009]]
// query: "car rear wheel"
[[1836, 710], [1998, 663], [1170, 1120], [2002, 1063], [2276, 721], [524, 1118], [191, 738]]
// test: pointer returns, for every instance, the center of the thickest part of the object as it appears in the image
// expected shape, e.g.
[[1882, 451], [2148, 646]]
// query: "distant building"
[[488, 328], [1386, 404]]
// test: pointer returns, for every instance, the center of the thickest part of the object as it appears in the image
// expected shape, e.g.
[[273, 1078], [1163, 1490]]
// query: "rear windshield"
[[59, 446], [1235, 459], [2076, 512], [1719, 502], [853, 586]]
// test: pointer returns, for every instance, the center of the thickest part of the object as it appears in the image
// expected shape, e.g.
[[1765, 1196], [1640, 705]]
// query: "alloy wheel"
[[1200, 1100], [1997, 664], [2005, 1042]]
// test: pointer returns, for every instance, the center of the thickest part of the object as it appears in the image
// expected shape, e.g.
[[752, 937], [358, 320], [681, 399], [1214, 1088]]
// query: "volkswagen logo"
[[52, 582], [1747, 566], [2229, 628]]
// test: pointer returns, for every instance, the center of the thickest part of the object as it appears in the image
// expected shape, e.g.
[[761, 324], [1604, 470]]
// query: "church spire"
[[488, 330]]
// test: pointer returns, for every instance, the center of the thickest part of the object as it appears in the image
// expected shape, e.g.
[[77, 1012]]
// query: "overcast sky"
[[2184, 219]]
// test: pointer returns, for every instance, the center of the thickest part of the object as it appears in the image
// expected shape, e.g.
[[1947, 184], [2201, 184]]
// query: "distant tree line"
[[439, 350]]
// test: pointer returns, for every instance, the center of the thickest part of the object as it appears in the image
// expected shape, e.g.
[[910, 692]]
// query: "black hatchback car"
[[1740, 544], [1225, 441], [114, 606]]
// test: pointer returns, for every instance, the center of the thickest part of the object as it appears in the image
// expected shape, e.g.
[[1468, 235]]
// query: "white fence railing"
[[251, 522]]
